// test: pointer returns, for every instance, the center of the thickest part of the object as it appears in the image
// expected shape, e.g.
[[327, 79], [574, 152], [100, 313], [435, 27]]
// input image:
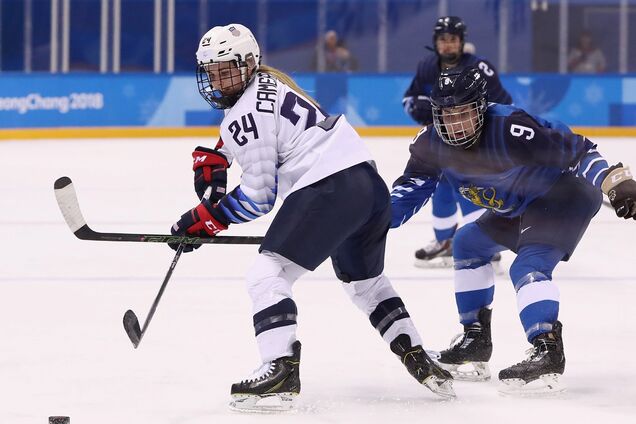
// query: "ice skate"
[[435, 255], [420, 366], [467, 358], [271, 388], [540, 374]]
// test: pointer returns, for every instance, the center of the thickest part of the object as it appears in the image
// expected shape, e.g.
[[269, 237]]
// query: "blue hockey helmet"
[[459, 101], [449, 25]]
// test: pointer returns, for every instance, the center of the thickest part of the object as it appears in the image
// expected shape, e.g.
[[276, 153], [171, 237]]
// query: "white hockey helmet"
[[233, 42], [226, 43]]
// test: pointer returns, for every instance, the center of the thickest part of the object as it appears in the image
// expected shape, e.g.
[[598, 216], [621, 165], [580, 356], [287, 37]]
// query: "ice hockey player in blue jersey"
[[334, 205], [449, 36], [541, 184]]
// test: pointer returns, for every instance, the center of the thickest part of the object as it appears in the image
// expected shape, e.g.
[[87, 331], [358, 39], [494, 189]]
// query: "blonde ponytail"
[[287, 80]]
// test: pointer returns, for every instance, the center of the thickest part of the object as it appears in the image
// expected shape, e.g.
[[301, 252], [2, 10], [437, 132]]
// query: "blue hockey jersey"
[[417, 97], [517, 159]]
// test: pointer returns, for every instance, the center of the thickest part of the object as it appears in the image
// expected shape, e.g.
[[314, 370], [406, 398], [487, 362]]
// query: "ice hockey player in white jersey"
[[334, 205]]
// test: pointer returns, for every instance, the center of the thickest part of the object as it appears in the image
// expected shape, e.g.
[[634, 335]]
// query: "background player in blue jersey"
[[334, 205], [542, 185], [448, 40]]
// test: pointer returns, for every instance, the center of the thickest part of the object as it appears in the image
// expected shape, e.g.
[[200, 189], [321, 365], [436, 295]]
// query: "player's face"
[[448, 44], [460, 121], [225, 77]]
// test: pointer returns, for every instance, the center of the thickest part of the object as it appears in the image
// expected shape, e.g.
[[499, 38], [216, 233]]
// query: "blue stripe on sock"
[[445, 234], [471, 301], [530, 278], [545, 311]]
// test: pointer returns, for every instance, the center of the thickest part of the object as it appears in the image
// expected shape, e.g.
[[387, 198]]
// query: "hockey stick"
[[131, 323], [69, 206], [67, 201]]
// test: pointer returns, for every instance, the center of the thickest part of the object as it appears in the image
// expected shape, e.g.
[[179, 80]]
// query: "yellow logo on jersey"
[[483, 197]]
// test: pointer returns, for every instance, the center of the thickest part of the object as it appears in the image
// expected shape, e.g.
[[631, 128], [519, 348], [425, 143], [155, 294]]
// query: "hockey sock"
[[537, 295], [384, 307], [275, 329], [474, 275]]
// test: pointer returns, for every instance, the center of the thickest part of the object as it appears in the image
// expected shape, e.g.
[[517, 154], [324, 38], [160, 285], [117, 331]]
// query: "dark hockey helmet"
[[449, 25], [227, 60], [459, 101]]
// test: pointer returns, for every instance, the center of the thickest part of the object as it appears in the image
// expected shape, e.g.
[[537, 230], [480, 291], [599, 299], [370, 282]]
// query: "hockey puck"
[[59, 420]]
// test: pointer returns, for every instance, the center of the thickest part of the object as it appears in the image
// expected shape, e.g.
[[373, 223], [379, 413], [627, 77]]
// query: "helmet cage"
[[459, 101], [235, 86], [460, 125]]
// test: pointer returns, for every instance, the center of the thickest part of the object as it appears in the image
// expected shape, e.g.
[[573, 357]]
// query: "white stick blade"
[[67, 202]]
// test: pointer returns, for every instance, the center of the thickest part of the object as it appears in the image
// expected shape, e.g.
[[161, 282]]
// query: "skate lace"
[[457, 340], [434, 245], [531, 354], [264, 371]]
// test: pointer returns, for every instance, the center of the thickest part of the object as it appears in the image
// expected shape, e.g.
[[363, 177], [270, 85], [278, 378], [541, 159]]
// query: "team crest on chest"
[[485, 197]]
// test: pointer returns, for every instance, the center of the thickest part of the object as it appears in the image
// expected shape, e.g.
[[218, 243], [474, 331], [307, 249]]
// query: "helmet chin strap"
[[449, 61], [474, 140], [245, 76]]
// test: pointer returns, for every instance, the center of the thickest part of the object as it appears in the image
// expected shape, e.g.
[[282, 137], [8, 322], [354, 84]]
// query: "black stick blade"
[[131, 325], [62, 182]]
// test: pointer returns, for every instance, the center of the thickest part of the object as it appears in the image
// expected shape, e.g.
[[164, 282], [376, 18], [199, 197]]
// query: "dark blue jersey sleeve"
[[413, 189], [552, 144], [416, 101]]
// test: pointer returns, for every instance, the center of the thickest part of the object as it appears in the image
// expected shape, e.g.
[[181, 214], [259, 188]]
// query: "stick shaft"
[[69, 206], [153, 308], [86, 233]]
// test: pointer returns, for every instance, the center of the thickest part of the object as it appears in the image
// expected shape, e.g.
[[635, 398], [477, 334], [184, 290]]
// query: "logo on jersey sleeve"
[[419, 133], [485, 197]]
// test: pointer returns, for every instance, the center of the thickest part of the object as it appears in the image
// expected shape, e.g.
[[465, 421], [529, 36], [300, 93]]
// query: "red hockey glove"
[[205, 220], [210, 170], [621, 190]]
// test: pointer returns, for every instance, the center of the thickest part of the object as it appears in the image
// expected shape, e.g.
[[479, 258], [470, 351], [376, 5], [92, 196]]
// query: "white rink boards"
[[63, 350]]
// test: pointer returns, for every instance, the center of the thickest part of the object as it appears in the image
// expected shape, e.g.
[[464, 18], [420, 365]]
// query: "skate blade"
[[440, 387], [264, 404], [471, 371], [547, 385], [435, 263], [433, 354]]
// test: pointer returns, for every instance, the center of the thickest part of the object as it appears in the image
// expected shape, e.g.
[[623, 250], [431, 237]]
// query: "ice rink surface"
[[63, 350]]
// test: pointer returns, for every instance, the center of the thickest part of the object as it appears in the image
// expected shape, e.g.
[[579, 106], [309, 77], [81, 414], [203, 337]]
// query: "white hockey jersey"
[[282, 142]]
